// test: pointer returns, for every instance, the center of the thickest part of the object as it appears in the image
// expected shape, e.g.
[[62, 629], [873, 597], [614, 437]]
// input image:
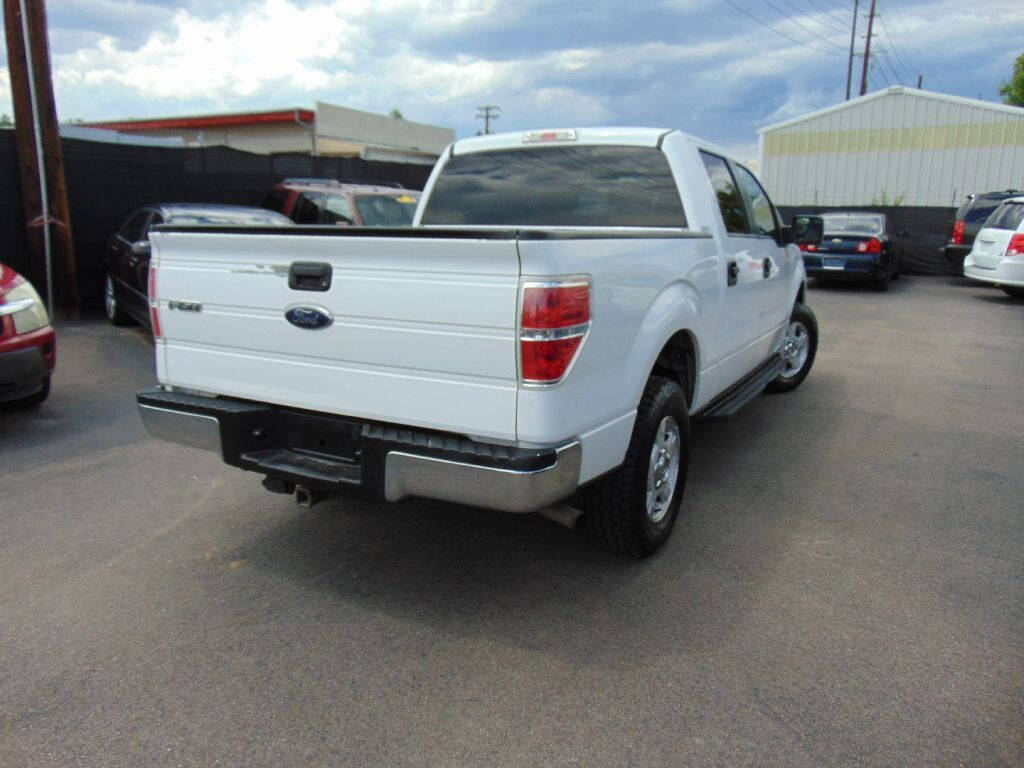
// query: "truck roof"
[[630, 136], [641, 137]]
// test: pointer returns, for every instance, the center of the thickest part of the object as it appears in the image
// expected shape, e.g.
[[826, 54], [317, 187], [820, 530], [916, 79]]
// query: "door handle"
[[733, 272], [309, 276], [767, 267]]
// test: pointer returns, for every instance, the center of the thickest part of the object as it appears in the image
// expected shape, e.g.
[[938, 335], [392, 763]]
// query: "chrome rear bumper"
[[384, 461]]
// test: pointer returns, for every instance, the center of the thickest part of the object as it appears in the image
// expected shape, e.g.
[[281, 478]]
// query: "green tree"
[[1013, 90], [396, 113], [5, 121]]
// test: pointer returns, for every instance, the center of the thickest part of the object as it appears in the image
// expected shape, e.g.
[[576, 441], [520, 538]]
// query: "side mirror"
[[807, 230], [142, 248]]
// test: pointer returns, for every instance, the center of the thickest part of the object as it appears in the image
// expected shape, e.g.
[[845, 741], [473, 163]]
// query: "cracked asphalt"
[[845, 585]]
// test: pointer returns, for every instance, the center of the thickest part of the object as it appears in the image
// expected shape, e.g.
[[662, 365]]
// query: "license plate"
[[828, 263]]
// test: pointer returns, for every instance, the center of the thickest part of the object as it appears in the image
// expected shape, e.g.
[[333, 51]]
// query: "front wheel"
[[632, 510], [798, 349]]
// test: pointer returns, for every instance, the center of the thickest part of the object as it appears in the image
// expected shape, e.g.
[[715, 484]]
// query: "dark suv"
[[358, 204], [969, 218]]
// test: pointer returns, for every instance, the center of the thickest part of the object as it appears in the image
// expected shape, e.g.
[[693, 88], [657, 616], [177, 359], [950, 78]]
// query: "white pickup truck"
[[564, 303]]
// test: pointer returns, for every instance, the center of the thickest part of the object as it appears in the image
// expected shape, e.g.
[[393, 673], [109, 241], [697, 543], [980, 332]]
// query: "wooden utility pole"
[[867, 51], [849, 61], [40, 160], [488, 112]]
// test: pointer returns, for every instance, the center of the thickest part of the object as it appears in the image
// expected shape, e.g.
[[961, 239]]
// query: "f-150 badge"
[[312, 318]]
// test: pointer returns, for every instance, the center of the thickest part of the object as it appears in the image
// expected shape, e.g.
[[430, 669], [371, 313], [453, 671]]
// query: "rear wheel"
[[882, 283], [1009, 290], [632, 510], [111, 307], [798, 349]]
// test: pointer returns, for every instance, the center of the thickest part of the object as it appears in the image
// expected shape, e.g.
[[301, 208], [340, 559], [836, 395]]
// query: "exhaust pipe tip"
[[305, 497]]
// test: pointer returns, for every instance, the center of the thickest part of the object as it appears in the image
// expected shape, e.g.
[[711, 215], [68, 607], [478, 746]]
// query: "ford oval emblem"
[[309, 317]]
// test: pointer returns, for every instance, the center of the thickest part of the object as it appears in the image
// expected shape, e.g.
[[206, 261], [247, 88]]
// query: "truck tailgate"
[[423, 330]]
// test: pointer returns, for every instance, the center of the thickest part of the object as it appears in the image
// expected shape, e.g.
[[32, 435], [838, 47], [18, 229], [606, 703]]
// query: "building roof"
[[892, 90], [200, 122]]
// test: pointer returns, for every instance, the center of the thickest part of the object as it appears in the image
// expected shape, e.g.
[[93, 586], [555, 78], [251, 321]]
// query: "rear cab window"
[[1006, 216], [557, 186]]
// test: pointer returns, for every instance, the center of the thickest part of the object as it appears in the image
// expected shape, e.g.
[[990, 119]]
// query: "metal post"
[[849, 61], [44, 193]]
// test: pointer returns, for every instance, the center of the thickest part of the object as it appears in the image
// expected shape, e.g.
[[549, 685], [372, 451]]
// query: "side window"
[[764, 216], [307, 208], [132, 231], [729, 201], [337, 210]]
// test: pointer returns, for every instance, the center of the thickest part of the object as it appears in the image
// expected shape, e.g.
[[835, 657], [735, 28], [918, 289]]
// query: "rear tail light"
[[874, 245], [154, 305], [808, 247], [555, 320], [958, 233], [1016, 246]]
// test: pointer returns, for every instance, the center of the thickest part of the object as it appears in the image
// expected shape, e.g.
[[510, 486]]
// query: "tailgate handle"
[[309, 276]]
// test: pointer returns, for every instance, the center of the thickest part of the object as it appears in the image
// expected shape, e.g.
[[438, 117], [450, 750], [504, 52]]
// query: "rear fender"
[[677, 308]]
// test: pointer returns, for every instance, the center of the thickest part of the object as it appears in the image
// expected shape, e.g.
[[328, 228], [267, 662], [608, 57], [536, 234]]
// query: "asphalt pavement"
[[845, 585]]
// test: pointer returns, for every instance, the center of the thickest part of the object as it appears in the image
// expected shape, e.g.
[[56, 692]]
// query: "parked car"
[[997, 256], [357, 204], [126, 260], [856, 245], [967, 221], [564, 303], [28, 344]]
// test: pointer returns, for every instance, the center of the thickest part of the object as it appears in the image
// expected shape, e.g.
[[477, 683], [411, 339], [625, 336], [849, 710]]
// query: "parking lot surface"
[[845, 585]]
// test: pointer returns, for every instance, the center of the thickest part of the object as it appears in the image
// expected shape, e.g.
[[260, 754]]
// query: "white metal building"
[[899, 146]]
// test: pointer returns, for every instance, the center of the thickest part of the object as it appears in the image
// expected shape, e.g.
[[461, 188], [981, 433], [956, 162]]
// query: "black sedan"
[[126, 261], [856, 246]]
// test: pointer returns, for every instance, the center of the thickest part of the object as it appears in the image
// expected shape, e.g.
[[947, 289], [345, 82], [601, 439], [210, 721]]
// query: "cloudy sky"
[[716, 68]]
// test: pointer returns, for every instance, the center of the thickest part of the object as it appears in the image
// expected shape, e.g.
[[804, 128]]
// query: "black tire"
[[111, 307], [791, 377], [33, 400], [1010, 290], [882, 283], [616, 505]]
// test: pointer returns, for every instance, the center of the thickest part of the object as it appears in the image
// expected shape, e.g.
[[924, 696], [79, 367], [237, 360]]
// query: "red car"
[[357, 204], [28, 345]]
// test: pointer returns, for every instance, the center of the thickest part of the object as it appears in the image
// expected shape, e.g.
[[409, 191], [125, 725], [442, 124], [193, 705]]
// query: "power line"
[[892, 48], [830, 13], [815, 17], [770, 4], [920, 56], [766, 25]]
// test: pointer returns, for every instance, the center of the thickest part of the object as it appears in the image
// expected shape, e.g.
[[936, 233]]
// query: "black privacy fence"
[[106, 182]]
